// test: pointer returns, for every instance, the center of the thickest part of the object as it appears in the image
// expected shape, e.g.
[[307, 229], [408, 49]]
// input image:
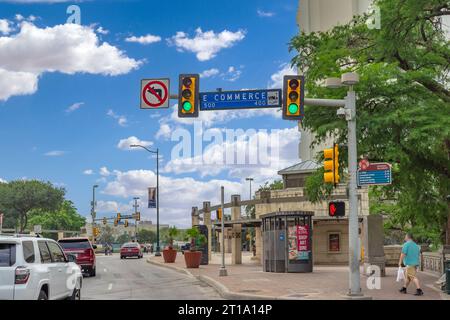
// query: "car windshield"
[[7, 254], [130, 245], [75, 244]]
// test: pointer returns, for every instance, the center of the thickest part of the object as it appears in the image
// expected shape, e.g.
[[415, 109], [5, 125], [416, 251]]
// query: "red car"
[[84, 252], [131, 249]]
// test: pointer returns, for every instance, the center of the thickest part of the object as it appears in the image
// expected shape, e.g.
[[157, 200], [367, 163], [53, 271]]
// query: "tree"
[[106, 234], [403, 103], [123, 238], [18, 198], [65, 218], [146, 236]]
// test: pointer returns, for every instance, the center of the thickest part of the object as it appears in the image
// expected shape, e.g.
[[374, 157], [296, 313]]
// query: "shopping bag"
[[400, 274]]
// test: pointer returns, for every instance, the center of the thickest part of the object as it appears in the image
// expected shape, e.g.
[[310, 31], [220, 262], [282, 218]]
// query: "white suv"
[[33, 268]]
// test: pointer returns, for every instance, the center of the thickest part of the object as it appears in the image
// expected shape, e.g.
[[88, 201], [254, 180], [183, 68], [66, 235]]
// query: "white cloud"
[[5, 26], [121, 120], [232, 74], [17, 83], [188, 192], [68, 48], [74, 107], [88, 172], [270, 151], [102, 30], [147, 39], [55, 153], [209, 73], [265, 14], [3, 181], [124, 144], [276, 79], [206, 45], [104, 172], [164, 131]]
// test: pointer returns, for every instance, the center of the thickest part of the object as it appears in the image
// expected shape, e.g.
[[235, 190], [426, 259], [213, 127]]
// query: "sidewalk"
[[248, 281]]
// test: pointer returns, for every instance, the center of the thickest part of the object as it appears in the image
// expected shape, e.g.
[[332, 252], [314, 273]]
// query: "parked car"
[[185, 247], [131, 249], [83, 250], [33, 268]]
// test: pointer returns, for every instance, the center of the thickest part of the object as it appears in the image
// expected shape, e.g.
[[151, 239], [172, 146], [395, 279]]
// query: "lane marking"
[[110, 286]]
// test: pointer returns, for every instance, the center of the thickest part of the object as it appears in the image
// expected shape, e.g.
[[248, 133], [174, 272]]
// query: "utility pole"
[[93, 214], [223, 270], [136, 206]]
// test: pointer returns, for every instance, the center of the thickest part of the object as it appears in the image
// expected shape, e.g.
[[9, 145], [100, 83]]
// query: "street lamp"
[[349, 112], [93, 210], [136, 205], [158, 251]]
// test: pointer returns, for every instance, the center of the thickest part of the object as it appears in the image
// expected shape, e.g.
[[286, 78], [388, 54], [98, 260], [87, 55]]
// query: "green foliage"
[[65, 218], [171, 234], [196, 238], [106, 234], [146, 236], [18, 198], [315, 188], [403, 104], [274, 185], [123, 238]]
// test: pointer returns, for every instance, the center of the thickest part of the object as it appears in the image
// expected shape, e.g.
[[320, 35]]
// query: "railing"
[[432, 262]]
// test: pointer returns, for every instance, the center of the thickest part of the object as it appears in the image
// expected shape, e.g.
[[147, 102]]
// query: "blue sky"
[[69, 95]]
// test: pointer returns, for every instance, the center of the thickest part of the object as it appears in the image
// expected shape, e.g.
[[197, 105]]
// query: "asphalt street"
[[135, 279]]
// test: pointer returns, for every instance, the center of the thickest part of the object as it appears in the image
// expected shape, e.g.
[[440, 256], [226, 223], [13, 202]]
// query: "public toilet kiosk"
[[287, 241]]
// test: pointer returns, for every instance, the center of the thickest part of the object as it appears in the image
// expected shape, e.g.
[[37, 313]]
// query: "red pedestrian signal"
[[336, 209]]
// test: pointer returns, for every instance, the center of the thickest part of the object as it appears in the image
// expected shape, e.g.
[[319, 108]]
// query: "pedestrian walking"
[[410, 257]]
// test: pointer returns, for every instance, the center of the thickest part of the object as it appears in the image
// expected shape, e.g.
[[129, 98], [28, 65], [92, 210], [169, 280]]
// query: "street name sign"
[[155, 93], [375, 174], [242, 99]]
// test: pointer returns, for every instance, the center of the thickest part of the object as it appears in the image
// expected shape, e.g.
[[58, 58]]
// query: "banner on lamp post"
[[152, 197]]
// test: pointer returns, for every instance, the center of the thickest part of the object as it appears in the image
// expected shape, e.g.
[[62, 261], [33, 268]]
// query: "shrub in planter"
[[169, 254], [193, 257]]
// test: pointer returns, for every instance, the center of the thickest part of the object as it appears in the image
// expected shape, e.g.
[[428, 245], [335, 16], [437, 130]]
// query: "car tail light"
[[22, 275]]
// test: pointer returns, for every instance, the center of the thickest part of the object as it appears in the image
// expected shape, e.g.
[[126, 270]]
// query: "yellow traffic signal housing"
[[293, 97], [219, 214], [96, 232], [137, 216], [188, 96], [126, 223], [105, 221], [331, 165], [116, 222], [118, 217]]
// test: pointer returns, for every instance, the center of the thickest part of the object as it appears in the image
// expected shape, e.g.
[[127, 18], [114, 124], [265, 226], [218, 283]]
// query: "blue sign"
[[281, 236], [375, 174], [243, 99]]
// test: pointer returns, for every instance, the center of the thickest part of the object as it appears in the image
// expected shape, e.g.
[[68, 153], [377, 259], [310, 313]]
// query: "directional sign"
[[155, 93], [243, 99], [375, 174]]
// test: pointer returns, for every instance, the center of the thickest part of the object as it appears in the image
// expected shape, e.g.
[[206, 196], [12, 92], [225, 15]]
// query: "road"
[[135, 279]]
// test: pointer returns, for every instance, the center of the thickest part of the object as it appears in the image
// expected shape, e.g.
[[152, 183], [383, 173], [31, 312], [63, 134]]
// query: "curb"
[[221, 289]]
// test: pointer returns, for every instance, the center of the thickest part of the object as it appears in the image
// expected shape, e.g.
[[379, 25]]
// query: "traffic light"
[[118, 217], [96, 232], [126, 223], [331, 165], [293, 97], [336, 209], [188, 103], [137, 216], [219, 214], [116, 222], [104, 221]]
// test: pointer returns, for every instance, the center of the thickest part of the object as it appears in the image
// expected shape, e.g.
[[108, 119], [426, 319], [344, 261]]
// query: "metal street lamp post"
[[223, 270], [93, 215], [250, 180], [136, 206], [158, 251]]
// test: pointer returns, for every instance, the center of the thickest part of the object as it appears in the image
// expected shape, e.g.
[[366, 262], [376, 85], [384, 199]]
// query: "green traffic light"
[[293, 108], [187, 106]]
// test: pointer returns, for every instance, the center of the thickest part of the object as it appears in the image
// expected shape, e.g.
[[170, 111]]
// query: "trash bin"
[[287, 239]]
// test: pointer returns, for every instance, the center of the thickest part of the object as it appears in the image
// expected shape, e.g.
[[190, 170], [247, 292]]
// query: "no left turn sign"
[[154, 93]]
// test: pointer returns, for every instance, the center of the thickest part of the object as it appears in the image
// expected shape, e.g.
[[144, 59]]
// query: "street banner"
[[152, 197]]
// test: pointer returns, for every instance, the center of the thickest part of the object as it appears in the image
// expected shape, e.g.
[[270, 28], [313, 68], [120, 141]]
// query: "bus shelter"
[[287, 241]]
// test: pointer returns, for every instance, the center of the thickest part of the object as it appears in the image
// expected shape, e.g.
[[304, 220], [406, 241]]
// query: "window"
[[44, 252], [75, 244], [56, 252], [7, 254], [28, 251], [334, 242]]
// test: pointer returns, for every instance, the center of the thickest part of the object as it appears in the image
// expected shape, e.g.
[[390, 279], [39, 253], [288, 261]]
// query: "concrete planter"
[[192, 258], [169, 255]]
